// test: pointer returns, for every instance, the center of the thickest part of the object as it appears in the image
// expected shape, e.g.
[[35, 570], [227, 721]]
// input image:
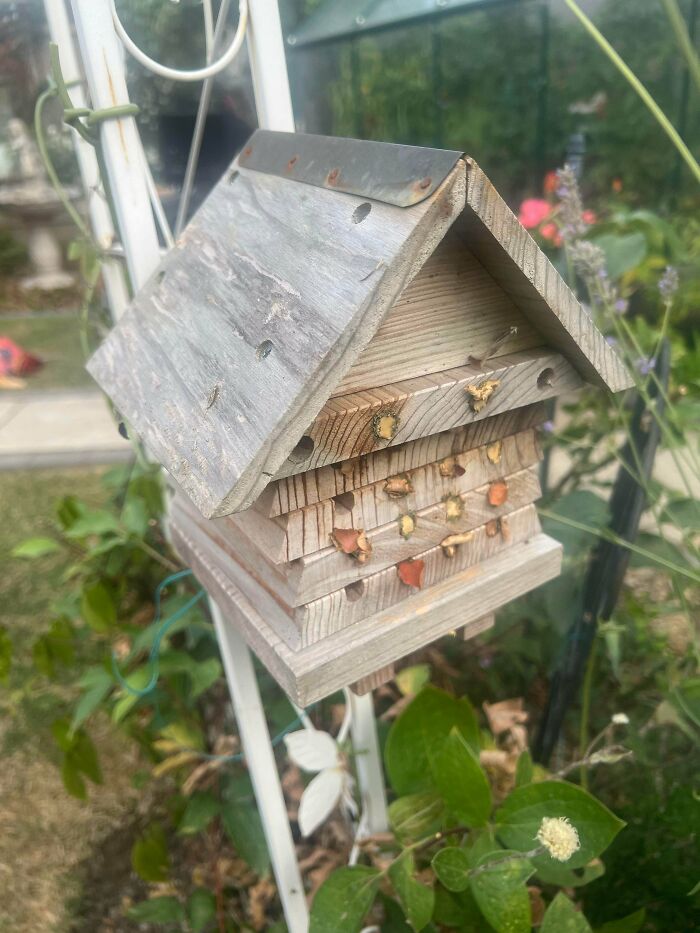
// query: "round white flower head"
[[621, 719], [558, 837]]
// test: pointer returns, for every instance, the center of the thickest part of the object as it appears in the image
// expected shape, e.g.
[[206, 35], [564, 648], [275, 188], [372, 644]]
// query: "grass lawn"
[[44, 834], [56, 339]]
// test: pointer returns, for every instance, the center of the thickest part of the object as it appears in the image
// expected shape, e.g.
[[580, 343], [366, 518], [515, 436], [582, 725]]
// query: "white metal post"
[[368, 763], [121, 146], [260, 757], [273, 99], [100, 217]]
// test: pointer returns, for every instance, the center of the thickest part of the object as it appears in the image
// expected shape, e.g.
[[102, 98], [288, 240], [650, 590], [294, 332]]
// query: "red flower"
[[533, 211], [551, 183], [589, 217], [550, 231]]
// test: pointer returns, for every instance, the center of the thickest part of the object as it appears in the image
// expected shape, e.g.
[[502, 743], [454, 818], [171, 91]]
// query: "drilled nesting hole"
[[160, 277], [233, 175], [303, 450], [264, 349], [355, 591], [545, 378], [345, 500], [361, 212]]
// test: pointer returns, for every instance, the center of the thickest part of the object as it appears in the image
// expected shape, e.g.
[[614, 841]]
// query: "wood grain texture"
[[452, 310], [313, 486], [307, 530], [372, 681], [510, 255], [322, 617], [430, 404], [263, 305], [353, 653], [308, 578]]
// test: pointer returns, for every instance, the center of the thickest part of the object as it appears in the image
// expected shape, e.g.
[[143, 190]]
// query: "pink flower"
[[551, 183], [550, 231], [589, 217], [533, 211]]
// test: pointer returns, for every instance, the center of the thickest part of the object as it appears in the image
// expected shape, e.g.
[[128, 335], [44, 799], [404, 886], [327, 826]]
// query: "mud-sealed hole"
[[361, 212]]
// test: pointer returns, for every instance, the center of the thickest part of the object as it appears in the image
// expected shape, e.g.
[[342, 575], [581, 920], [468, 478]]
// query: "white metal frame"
[[102, 58]]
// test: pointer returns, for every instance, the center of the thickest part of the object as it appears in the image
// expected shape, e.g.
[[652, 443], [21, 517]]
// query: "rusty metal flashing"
[[388, 172]]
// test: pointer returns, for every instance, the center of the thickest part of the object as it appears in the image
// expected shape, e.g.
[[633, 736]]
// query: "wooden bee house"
[[342, 365]]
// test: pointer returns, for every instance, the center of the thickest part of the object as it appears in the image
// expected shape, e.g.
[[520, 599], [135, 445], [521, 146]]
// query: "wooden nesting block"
[[304, 625], [292, 493], [355, 652], [307, 530], [347, 426]]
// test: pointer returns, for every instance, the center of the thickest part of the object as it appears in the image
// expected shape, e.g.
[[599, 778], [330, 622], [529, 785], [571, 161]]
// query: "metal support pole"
[[260, 757], [370, 777], [273, 100], [121, 146], [98, 209]]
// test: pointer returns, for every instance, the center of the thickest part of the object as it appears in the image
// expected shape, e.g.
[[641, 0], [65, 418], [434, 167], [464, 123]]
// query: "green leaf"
[[684, 513], [622, 252], [199, 812], [96, 522], [559, 874], [69, 510], [417, 899], [201, 909], [416, 815], [562, 917], [149, 855], [97, 607], [158, 910], [501, 892], [99, 686], [203, 674], [519, 818], [72, 780], [135, 517], [84, 756], [461, 781], [419, 732], [524, 769], [244, 828], [36, 547], [581, 506], [629, 924], [54, 647], [343, 900], [451, 865], [5, 653], [686, 698], [411, 679]]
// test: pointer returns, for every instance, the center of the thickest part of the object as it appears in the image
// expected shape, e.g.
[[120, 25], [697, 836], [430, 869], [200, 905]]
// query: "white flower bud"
[[558, 837], [621, 719]]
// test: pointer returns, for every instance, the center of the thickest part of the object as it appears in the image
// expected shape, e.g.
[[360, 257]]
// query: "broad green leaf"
[[657, 547], [560, 874], [137, 680], [96, 522], [203, 674], [520, 817], [158, 910], [416, 815], [201, 909], [68, 511], [36, 547], [149, 855], [459, 912], [241, 821], [343, 900], [501, 891], [416, 898], [5, 653], [524, 769], [562, 917], [419, 732], [84, 756], [97, 607], [451, 865], [135, 517], [199, 812], [72, 780], [461, 781], [89, 701], [581, 506], [685, 513], [629, 924], [622, 252], [411, 679]]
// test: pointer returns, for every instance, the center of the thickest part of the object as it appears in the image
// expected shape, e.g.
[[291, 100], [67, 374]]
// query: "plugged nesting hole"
[[355, 591], [545, 378], [160, 277], [303, 450], [264, 349], [233, 175], [345, 500], [361, 212]]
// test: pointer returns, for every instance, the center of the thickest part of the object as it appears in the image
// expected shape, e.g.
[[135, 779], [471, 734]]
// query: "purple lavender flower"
[[611, 341], [645, 365], [668, 284], [621, 305], [548, 427]]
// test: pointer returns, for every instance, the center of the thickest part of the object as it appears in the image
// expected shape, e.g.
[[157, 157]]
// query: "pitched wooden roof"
[[277, 285]]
